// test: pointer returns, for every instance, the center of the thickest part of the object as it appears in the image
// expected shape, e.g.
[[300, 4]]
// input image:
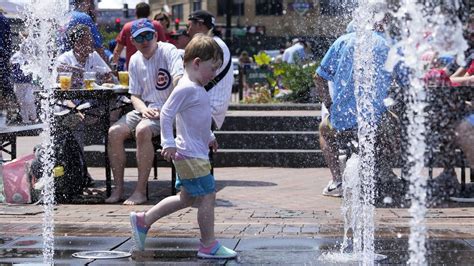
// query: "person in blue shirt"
[[337, 67], [80, 15], [6, 85]]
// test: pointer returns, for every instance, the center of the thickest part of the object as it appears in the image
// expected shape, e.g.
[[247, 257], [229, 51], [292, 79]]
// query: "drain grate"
[[105, 254]]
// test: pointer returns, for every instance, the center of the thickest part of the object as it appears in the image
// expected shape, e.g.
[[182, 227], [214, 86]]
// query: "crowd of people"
[[335, 85]]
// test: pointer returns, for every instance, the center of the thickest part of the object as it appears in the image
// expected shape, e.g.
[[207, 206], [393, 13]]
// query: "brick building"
[[269, 24]]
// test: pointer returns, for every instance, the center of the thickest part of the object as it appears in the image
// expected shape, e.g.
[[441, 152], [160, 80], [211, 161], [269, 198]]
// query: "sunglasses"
[[141, 38], [160, 19]]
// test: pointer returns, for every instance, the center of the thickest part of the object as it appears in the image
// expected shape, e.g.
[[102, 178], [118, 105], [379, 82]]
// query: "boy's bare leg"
[[168, 206], [145, 154], [118, 133], [206, 218]]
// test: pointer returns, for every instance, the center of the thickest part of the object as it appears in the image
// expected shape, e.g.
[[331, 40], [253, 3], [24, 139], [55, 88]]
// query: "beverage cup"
[[123, 78], [65, 80], [89, 79]]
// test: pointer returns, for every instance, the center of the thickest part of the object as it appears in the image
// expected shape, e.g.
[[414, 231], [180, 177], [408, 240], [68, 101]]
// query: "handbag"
[[16, 186]]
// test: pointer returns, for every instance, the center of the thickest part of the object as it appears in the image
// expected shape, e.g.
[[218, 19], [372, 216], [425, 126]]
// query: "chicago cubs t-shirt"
[[152, 79]]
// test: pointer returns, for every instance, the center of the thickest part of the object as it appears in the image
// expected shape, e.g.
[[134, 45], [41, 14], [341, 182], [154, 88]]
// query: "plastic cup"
[[123, 78], [89, 79], [65, 80]]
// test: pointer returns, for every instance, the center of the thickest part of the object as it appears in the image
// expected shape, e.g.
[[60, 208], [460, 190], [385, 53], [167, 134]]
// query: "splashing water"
[[351, 205], [426, 29], [364, 79], [358, 178], [38, 49]]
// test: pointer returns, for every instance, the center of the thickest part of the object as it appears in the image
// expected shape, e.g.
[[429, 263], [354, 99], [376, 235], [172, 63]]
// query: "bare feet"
[[135, 199], [115, 197]]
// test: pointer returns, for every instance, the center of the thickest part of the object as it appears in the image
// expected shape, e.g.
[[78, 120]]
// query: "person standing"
[[80, 15], [340, 125], [189, 104], [295, 53], [220, 88], [154, 71], [164, 19], [6, 51], [124, 40]]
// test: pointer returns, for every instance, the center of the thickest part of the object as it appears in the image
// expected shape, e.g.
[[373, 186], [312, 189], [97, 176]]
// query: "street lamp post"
[[228, 12]]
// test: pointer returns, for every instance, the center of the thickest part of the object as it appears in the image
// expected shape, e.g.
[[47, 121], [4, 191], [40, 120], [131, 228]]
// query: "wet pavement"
[[269, 215], [318, 251]]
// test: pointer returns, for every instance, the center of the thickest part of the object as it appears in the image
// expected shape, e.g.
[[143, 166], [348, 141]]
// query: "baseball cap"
[[141, 25], [203, 16]]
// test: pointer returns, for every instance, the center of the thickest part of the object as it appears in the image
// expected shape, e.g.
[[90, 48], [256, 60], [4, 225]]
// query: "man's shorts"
[[133, 118]]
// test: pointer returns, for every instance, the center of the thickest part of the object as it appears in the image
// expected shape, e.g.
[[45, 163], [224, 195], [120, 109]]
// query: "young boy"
[[189, 103]]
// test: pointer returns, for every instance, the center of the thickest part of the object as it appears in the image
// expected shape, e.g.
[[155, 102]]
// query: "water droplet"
[[388, 102], [387, 200]]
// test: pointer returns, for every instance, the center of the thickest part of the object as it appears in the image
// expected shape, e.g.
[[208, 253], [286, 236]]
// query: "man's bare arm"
[[117, 51], [322, 90]]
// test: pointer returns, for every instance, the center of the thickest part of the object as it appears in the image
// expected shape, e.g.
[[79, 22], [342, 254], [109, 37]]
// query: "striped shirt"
[[220, 94], [152, 79]]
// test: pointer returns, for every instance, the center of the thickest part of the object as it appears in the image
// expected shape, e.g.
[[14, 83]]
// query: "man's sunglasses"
[[141, 38]]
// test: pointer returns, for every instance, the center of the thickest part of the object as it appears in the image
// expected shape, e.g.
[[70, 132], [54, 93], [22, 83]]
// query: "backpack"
[[69, 170]]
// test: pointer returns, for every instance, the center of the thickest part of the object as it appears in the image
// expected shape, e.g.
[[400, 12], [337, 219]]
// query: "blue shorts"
[[198, 186]]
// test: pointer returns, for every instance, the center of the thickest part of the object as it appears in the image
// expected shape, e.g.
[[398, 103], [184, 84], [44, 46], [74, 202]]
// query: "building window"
[[269, 7], [197, 5], [177, 11], [337, 7], [238, 7]]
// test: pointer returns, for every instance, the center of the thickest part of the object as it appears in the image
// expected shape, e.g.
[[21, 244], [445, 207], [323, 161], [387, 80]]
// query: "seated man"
[[154, 71], [82, 58], [337, 67]]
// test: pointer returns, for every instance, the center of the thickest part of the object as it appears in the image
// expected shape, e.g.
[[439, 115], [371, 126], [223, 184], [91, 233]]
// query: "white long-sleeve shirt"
[[189, 103]]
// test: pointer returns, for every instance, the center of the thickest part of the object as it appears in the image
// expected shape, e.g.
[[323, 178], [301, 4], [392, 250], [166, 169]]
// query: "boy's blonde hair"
[[204, 47]]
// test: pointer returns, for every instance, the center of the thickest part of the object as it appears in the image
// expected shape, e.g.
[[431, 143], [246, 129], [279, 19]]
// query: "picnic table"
[[102, 97]]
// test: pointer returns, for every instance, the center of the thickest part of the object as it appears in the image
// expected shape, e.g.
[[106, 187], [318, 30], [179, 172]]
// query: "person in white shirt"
[[154, 70], [295, 53], [203, 22], [189, 103], [82, 58]]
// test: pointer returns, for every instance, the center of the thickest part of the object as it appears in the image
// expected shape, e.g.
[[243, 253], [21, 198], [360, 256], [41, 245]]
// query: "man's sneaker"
[[333, 189], [216, 251], [139, 229]]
